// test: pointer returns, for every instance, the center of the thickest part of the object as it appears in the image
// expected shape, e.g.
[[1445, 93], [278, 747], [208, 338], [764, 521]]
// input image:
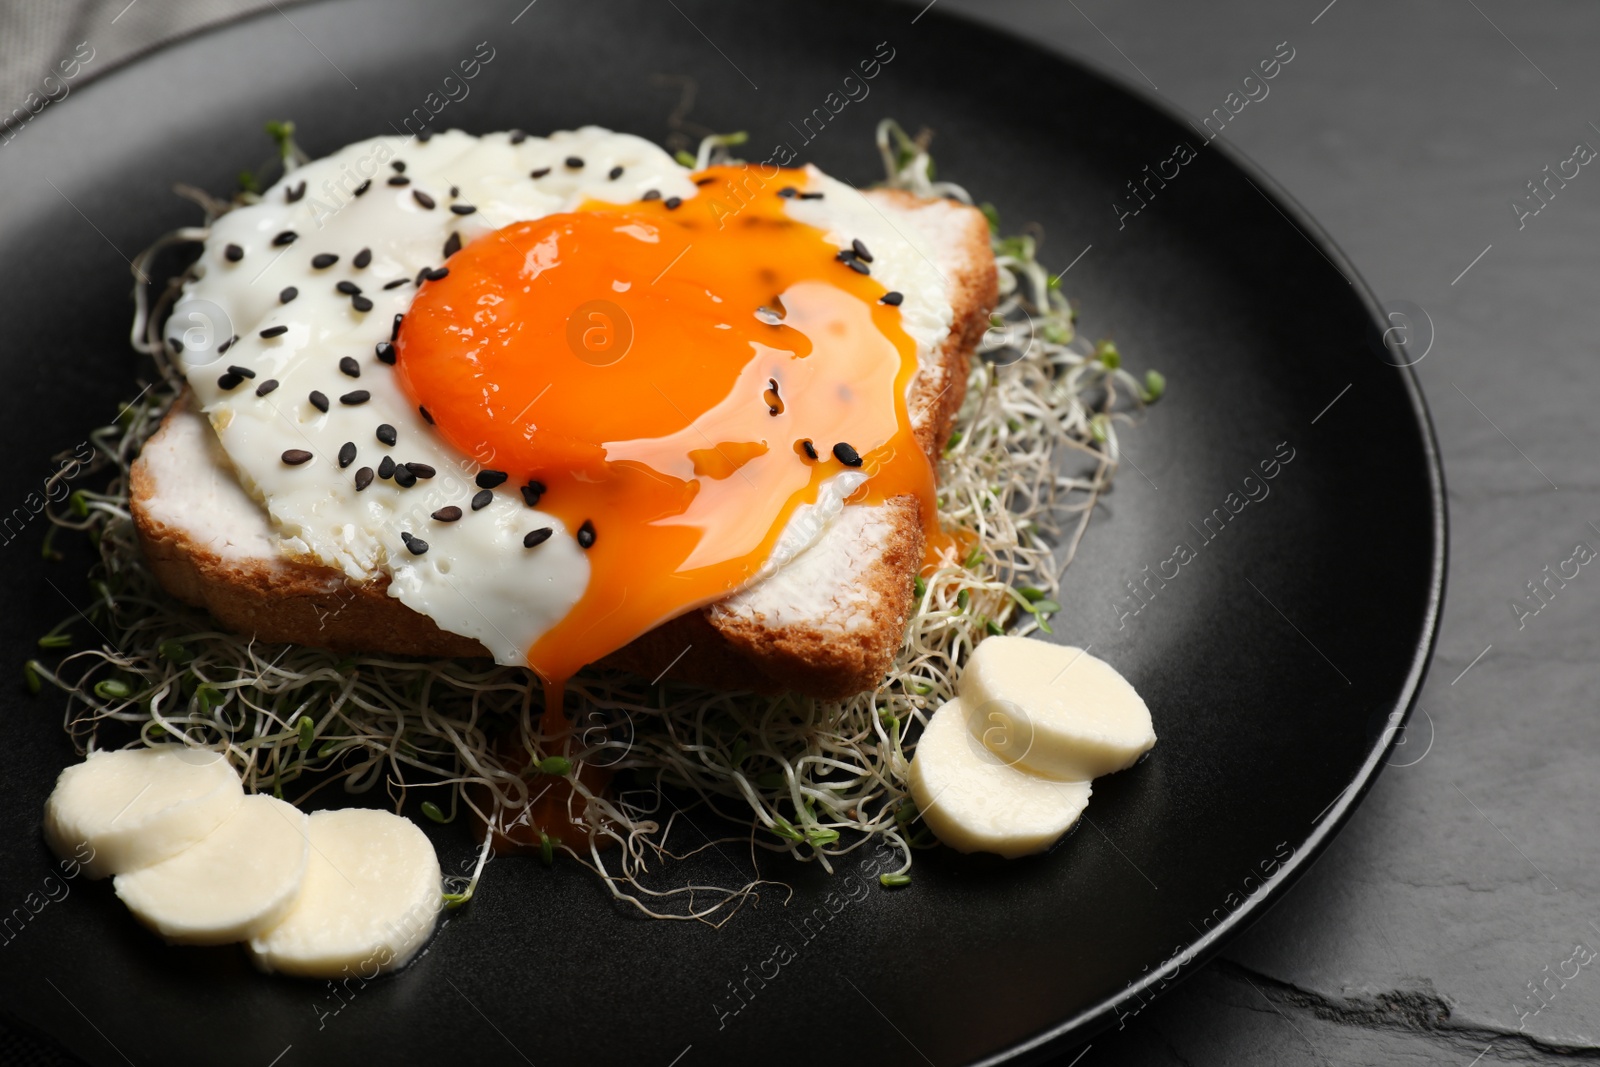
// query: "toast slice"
[[828, 624]]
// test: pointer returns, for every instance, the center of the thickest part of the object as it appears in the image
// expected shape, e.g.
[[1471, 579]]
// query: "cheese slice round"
[[237, 881], [1055, 709], [371, 895], [974, 801], [135, 807]]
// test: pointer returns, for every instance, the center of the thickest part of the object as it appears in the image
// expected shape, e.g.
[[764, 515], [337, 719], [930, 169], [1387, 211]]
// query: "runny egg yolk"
[[659, 371]]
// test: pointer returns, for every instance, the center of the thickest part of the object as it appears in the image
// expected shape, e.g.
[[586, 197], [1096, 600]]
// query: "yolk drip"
[[658, 371]]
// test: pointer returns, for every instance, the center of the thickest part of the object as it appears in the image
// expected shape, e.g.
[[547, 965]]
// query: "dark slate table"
[[1454, 921]]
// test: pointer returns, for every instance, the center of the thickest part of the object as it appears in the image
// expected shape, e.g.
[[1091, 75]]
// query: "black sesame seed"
[[421, 274], [243, 372], [856, 265], [287, 237], [266, 387], [481, 499], [296, 456], [810, 196], [434, 274], [574, 162], [860, 250], [363, 187], [385, 352], [274, 331], [386, 467], [347, 454], [651, 194], [294, 192], [810, 449], [425, 135], [349, 365], [892, 298], [348, 288], [387, 433], [462, 209], [846, 455], [318, 400], [363, 478], [394, 331], [788, 192], [447, 514], [354, 397], [421, 470], [423, 199], [426, 417], [537, 537], [324, 260], [223, 347], [361, 303], [488, 479], [540, 173], [416, 545], [233, 253], [397, 283], [532, 492], [399, 166], [704, 181], [615, 173], [228, 381], [361, 259], [517, 137], [399, 179], [404, 478], [287, 294], [455, 191], [175, 344], [586, 534], [672, 203], [452, 245]]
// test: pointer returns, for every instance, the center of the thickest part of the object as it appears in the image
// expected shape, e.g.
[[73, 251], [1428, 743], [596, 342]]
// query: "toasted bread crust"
[[287, 600]]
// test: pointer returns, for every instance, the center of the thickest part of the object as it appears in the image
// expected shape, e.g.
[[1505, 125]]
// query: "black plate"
[[1276, 662]]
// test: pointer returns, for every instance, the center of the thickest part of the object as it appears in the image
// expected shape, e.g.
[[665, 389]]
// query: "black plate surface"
[[1276, 660]]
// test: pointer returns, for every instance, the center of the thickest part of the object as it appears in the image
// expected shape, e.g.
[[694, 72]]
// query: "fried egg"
[[559, 390]]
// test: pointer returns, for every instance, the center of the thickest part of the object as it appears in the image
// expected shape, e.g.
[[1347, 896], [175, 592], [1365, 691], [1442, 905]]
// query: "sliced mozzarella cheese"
[[139, 806], [976, 802], [1055, 709], [370, 898], [239, 880]]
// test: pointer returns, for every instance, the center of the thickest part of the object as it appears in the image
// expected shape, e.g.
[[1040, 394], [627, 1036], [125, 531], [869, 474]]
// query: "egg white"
[[476, 578]]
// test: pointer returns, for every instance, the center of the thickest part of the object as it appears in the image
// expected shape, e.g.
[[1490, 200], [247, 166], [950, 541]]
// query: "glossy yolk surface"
[[657, 371]]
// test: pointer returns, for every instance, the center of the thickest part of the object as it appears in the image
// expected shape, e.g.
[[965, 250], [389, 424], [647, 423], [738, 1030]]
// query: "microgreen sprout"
[[714, 149], [557, 765], [56, 638]]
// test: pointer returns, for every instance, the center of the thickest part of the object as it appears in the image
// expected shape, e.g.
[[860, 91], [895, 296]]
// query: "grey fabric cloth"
[[37, 36]]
